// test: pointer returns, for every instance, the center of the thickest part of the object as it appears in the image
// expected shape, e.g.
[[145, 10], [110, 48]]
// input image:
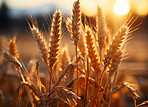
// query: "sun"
[[121, 7]]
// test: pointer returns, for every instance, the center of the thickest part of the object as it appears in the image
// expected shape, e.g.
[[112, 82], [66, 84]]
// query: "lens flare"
[[121, 7]]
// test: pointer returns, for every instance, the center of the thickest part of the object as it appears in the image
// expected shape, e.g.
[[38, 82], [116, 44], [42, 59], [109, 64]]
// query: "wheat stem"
[[75, 30], [100, 98], [86, 82], [114, 81]]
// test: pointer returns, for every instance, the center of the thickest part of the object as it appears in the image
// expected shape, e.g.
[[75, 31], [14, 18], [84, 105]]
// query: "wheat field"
[[88, 79]]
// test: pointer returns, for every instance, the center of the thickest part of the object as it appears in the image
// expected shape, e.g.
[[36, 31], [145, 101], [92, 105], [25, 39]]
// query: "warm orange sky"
[[89, 6]]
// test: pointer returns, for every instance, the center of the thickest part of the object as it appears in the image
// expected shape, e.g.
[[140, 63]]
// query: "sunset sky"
[[88, 6]]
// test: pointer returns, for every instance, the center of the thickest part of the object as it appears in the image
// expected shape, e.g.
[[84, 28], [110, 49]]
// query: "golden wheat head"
[[13, 48], [55, 38], [41, 43], [116, 44], [100, 23], [92, 52], [75, 26], [115, 62]]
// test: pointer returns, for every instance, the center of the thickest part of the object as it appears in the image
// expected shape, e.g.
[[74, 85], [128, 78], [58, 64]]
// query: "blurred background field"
[[15, 13]]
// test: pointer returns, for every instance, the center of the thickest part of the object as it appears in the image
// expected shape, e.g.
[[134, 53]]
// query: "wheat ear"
[[100, 23], [55, 38], [94, 57], [107, 40], [75, 25], [75, 30], [43, 50], [13, 50], [41, 43], [115, 62], [92, 51], [114, 69], [118, 40], [65, 59], [81, 43], [114, 47]]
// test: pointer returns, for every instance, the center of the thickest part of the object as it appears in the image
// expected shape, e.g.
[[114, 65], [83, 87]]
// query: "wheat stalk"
[[43, 49], [92, 54], [95, 89], [113, 68], [15, 62], [55, 36], [12, 59], [113, 54], [75, 29]]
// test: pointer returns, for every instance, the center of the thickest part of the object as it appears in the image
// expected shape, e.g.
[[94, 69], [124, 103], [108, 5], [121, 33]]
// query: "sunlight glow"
[[89, 7], [121, 7], [142, 7]]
